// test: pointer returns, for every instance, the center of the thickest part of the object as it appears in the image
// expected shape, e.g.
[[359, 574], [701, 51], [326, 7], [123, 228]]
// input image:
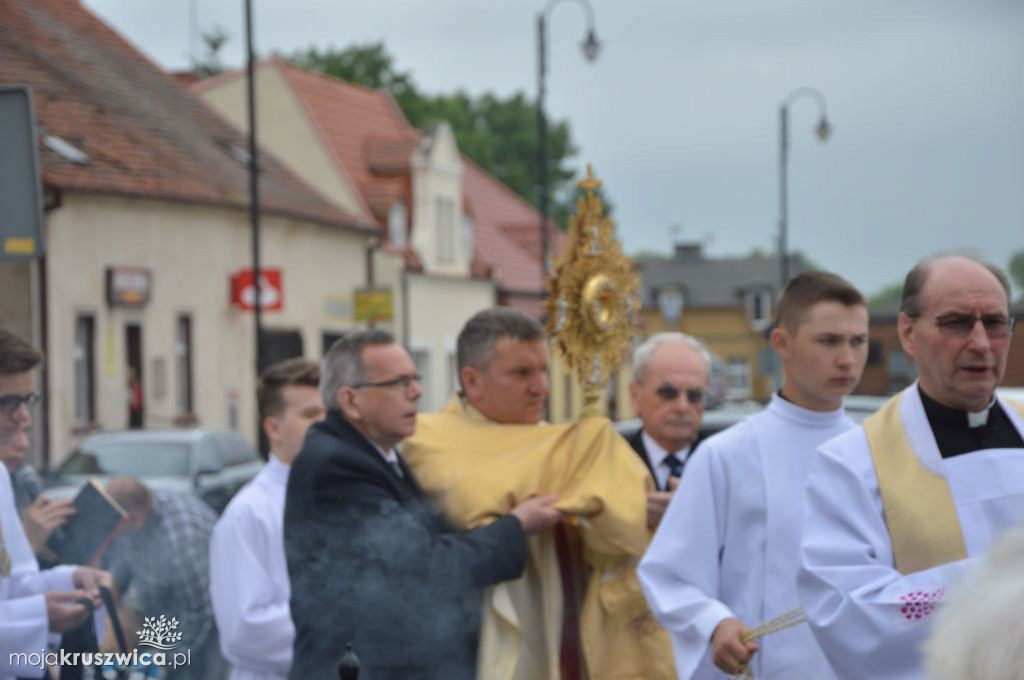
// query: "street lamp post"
[[591, 47], [823, 131]]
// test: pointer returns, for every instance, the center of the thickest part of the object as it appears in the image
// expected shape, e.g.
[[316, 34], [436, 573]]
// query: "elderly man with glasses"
[[671, 374], [898, 509], [724, 557]]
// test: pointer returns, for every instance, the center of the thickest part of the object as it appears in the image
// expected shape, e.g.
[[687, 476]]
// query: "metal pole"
[[783, 201], [254, 198], [542, 146]]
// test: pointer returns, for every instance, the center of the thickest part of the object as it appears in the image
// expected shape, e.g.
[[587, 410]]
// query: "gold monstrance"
[[592, 297]]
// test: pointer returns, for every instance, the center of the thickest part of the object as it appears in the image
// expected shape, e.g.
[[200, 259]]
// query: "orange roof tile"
[[144, 135]]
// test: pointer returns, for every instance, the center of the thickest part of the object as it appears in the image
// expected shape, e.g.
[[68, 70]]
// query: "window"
[[738, 378], [445, 229], [670, 302], [85, 369], [421, 359], [183, 363], [467, 236], [398, 223], [759, 308]]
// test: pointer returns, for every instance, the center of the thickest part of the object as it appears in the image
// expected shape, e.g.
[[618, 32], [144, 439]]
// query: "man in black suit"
[[669, 390], [369, 561]]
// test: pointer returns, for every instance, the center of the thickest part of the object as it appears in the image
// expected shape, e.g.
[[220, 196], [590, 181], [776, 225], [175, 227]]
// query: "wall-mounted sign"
[[243, 290], [21, 196], [374, 305], [128, 286]]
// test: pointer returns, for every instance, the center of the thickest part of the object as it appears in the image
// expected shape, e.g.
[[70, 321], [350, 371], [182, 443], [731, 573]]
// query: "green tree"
[[887, 297], [498, 133], [1016, 269]]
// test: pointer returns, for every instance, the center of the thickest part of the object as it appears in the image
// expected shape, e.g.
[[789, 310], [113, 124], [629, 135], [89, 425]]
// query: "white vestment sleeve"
[[869, 619], [255, 630], [23, 630], [679, 572]]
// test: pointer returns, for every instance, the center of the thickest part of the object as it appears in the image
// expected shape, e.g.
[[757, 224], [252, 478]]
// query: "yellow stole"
[[477, 470], [923, 523]]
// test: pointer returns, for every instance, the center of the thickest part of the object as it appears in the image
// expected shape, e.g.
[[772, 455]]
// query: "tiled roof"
[[495, 206], [387, 156], [372, 143], [711, 282], [144, 135]]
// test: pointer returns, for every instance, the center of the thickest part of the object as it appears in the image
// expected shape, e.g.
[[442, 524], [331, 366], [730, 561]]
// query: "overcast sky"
[[679, 114]]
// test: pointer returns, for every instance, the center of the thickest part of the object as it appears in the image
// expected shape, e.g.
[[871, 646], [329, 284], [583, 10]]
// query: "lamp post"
[[591, 47], [823, 131]]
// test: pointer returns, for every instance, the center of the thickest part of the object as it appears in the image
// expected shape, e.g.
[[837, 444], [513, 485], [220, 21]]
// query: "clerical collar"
[[954, 416]]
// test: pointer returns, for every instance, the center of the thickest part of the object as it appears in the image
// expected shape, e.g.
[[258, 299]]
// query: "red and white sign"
[[243, 290]]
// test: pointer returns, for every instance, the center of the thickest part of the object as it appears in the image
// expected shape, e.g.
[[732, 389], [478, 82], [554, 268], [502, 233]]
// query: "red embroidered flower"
[[919, 604]]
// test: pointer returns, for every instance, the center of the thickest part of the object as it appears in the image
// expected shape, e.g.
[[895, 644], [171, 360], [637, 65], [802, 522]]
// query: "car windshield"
[[149, 459]]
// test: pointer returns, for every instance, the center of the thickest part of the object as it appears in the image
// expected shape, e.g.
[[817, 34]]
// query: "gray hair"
[[910, 301], [343, 363], [642, 355], [475, 346], [977, 631]]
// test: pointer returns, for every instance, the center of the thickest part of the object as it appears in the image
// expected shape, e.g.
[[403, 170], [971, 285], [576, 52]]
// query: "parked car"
[[212, 464]]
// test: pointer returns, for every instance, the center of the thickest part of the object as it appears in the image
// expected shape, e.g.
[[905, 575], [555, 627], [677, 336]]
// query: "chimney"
[[689, 252]]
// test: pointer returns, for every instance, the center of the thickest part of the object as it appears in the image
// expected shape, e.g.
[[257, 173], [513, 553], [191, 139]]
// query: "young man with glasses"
[[669, 390], [898, 509], [33, 603], [370, 561], [724, 558]]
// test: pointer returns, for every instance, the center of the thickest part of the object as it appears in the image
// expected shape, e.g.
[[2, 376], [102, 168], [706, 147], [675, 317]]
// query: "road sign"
[[243, 290]]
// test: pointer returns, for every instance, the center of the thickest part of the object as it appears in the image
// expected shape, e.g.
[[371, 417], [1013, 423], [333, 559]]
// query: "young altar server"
[[249, 585], [900, 508], [725, 556]]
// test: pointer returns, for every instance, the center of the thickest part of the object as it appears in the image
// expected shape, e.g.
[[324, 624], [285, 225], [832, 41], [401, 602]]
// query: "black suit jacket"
[[636, 440], [371, 563]]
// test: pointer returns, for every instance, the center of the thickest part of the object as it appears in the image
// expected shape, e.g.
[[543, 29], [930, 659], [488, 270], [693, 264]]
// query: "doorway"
[[135, 392]]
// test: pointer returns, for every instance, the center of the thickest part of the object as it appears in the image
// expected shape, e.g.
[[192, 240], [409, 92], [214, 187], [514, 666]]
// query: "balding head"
[[134, 497], [955, 325]]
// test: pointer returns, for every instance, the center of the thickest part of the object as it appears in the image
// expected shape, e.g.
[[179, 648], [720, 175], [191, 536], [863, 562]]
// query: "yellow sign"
[[374, 305], [23, 245]]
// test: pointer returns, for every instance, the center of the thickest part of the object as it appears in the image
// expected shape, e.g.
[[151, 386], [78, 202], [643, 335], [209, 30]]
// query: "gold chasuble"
[[478, 470], [920, 513]]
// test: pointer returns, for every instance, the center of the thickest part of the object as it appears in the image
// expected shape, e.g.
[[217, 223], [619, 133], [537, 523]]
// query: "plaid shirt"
[[167, 563]]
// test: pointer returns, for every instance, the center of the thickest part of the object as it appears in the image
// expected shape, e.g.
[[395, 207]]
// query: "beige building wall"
[[286, 130], [438, 309], [191, 252]]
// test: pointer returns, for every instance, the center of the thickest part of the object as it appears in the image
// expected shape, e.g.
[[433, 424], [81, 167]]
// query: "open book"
[[96, 516]]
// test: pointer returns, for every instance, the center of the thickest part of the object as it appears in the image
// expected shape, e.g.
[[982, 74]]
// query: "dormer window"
[[670, 302], [445, 229], [759, 308], [398, 223], [467, 236]]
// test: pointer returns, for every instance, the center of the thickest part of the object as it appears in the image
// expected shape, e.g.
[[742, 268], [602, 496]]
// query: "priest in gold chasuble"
[[578, 612]]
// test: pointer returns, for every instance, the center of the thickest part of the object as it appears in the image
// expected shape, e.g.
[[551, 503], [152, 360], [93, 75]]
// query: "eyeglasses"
[[694, 395], [12, 402], [402, 381], [962, 325]]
